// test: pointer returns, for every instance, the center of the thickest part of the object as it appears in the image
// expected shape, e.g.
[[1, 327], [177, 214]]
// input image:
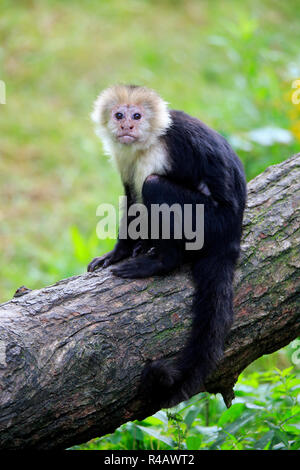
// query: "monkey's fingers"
[[94, 264], [100, 261], [140, 248]]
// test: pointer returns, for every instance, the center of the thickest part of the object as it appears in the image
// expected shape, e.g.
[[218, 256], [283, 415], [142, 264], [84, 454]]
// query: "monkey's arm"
[[120, 251], [124, 247]]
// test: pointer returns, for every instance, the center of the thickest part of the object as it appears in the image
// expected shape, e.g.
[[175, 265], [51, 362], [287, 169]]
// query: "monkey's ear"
[[104, 103], [101, 111]]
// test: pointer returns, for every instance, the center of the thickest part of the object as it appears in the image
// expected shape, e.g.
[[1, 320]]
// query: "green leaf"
[[162, 416], [232, 413], [281, 436], [253, 406], [264, 441], [239, 423], [153, 433], [191, 416], [193, 442]]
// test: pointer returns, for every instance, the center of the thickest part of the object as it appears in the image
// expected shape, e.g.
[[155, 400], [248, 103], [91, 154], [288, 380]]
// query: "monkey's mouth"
[[126, 138]]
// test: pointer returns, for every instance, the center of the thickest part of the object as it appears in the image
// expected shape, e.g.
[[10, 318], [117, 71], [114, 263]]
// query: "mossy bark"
[[71, 354]]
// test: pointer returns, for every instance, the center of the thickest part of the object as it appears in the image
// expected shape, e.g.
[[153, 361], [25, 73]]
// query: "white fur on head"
[[157, 117]]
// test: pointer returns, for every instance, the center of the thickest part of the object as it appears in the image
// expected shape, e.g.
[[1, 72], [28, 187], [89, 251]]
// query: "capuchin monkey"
[[168, 157]]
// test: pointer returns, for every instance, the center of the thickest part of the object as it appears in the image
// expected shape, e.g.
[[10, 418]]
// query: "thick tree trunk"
[[71, 354]]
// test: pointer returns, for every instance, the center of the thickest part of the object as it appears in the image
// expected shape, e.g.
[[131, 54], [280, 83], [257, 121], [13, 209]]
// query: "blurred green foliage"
[[230, 63], [265, 415]]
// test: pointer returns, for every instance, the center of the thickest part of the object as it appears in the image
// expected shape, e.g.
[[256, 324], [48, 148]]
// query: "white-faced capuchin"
[[168, 157]]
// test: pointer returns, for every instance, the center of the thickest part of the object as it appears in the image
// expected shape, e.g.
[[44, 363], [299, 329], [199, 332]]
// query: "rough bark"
[[71, 354]]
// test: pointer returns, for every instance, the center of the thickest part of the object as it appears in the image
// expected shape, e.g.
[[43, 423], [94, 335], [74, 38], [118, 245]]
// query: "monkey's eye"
[[137, 116], [119, 116]]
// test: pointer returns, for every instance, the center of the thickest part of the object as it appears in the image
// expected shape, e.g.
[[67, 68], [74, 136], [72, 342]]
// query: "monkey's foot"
[[161, 384], [142, 248], [139, 268]]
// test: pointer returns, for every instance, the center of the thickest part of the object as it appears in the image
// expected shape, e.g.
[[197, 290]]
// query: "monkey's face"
[[131, 117], [127, 122]]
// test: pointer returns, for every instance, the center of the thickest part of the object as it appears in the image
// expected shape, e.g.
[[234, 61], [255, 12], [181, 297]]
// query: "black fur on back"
[[199, 154]]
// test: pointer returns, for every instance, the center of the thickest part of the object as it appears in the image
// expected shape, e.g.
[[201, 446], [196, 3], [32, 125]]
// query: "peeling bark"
[[71, 354]]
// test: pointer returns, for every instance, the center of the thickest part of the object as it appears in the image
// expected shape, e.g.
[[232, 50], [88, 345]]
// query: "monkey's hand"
[[120, 252], [141, 248]]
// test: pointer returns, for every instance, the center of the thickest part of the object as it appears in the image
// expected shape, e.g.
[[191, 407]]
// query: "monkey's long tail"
[[167, 384]]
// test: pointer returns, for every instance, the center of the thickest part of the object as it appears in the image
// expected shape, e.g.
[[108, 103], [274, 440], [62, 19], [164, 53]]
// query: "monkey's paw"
[[138, 268], [100, 261]]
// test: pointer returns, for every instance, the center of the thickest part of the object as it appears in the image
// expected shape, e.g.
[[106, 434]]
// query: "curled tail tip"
[[159, 374], [157, 382], [162, 385]]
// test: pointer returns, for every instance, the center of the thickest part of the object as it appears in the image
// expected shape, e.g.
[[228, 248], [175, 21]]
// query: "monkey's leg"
[[141, 247], [168, 253], [149, 264]]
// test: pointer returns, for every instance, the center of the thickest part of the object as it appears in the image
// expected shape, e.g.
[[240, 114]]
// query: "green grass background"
[[230, 63]]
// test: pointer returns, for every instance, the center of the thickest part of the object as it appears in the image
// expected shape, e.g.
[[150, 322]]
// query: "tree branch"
[[71, 354]]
